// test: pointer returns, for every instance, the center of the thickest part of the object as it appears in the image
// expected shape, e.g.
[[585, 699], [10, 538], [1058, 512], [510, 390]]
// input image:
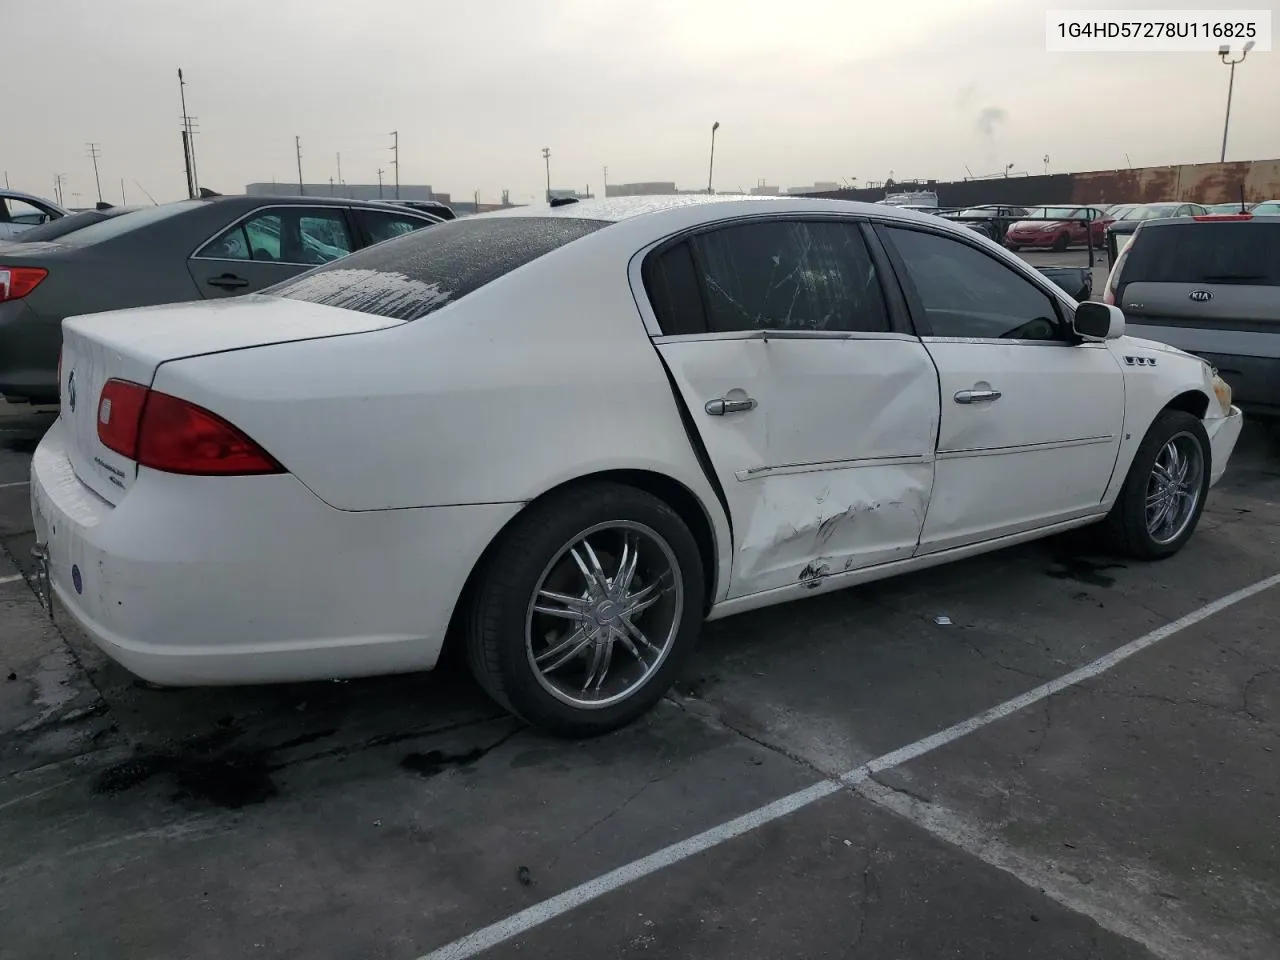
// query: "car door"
[[374, 226], [815, 406], [1030, 418], [270, 245]]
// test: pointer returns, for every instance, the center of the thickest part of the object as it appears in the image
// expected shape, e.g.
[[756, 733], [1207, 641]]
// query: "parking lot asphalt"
[[1130, 813]]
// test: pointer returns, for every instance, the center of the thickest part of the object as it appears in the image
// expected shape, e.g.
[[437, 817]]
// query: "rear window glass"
[[411, 276], [114, 227], [1203, 252]]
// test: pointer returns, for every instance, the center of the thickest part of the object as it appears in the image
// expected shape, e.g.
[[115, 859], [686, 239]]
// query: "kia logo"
[[1200, 296], [71, 391]]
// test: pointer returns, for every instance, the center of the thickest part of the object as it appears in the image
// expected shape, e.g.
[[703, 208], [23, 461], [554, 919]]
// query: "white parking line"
[[16, 483], [527, 919], [12, 578]]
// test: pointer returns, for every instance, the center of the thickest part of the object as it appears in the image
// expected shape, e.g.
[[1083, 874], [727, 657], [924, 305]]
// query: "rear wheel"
[[586, 609], [1061, 243], [1164, 494]]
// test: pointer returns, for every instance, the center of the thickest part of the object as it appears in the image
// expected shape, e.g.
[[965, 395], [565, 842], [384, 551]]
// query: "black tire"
[[1061, 243], [499, 616], [1126, 525]]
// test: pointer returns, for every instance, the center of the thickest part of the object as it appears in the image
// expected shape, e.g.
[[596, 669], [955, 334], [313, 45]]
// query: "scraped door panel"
[[832, 467]]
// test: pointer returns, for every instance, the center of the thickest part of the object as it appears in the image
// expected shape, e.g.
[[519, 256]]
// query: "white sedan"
[[563, 437]]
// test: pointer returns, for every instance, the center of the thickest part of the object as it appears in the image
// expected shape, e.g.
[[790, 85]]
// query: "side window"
[[323, 236], [789, 275], [263, 236], [20, 211], [966, 293], [671, 280], [383, 226]]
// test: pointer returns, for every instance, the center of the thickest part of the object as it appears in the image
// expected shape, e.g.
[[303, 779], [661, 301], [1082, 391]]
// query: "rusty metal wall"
[[1196, 182]]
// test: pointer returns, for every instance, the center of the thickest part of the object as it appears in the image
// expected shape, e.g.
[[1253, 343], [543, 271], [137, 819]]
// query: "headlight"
[[1222, 390]]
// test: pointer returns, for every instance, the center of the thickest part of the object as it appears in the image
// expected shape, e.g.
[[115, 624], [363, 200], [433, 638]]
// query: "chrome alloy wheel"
[[604, 614], [1173, 489]]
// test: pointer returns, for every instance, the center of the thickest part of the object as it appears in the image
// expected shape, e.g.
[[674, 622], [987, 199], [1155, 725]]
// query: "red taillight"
[[17, 282], [120, 415], [166, 433]]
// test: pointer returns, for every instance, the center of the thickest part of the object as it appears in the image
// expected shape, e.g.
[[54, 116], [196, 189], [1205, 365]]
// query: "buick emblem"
[[1200, 296], [71, 391]]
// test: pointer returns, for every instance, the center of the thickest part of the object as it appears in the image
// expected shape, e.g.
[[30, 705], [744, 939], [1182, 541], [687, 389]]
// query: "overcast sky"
[[804, 90]]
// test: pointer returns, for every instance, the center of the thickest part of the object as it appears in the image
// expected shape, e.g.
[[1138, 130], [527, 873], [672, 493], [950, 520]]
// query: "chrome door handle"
[[720, 406], [977, 396]]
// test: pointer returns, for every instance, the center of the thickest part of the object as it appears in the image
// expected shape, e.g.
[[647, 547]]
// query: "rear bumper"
[[29, 347], [195, 581], [1223, 434]]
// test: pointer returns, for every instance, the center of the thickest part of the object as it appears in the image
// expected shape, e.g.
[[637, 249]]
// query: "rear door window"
[[409, 277], [380, 225], [296, 235], [789, 275], [1243, 252]]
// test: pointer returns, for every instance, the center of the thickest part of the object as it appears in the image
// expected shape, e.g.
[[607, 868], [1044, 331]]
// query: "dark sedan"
[[215, 247]]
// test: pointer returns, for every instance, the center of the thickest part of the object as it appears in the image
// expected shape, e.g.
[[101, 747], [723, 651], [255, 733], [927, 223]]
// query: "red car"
[[1058, 228]]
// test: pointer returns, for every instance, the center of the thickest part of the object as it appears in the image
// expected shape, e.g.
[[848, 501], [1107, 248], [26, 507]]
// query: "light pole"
[[711, 168], [1222, 54], [546, 156]]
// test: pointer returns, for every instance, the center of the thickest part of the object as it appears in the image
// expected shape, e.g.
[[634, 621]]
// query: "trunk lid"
[[132, 344]]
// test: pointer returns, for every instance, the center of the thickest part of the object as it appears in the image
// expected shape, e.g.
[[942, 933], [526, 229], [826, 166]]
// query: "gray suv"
[[1210, 286]]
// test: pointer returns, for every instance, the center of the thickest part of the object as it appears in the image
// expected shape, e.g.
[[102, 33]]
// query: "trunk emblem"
[[71, 390], [1200, 296]]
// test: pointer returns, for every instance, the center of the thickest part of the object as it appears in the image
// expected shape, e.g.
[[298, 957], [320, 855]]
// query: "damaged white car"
[[563, 437]]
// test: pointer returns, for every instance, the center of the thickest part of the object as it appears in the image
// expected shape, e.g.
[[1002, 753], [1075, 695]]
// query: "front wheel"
[[586, 609], [1164, 494]]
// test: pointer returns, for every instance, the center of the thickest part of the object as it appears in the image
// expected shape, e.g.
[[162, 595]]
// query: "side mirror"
[[1098, 321]]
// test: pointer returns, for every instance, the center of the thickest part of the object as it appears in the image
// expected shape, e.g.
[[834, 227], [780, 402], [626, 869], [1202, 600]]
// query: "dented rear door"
[[817, 415]]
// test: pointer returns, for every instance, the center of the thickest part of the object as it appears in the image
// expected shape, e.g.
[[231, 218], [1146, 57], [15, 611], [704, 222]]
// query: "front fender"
[[1156, 376]]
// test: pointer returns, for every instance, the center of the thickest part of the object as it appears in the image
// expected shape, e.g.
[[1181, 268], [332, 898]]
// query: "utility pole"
[[189, 142], [546, 156], [395, 158], [57, 188], [339, 169], [6, 180], [606, 180], [95, 151], [379, 183], [297, 146], [331, 186]]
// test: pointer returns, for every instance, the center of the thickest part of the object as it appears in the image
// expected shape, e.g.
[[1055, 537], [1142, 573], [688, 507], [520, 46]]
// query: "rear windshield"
[[420, 272], [69, 224], [1240, 251], [114, 227]]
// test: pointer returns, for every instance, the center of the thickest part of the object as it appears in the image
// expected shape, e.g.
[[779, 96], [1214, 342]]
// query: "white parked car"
[[574, 433], [20, 212]]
